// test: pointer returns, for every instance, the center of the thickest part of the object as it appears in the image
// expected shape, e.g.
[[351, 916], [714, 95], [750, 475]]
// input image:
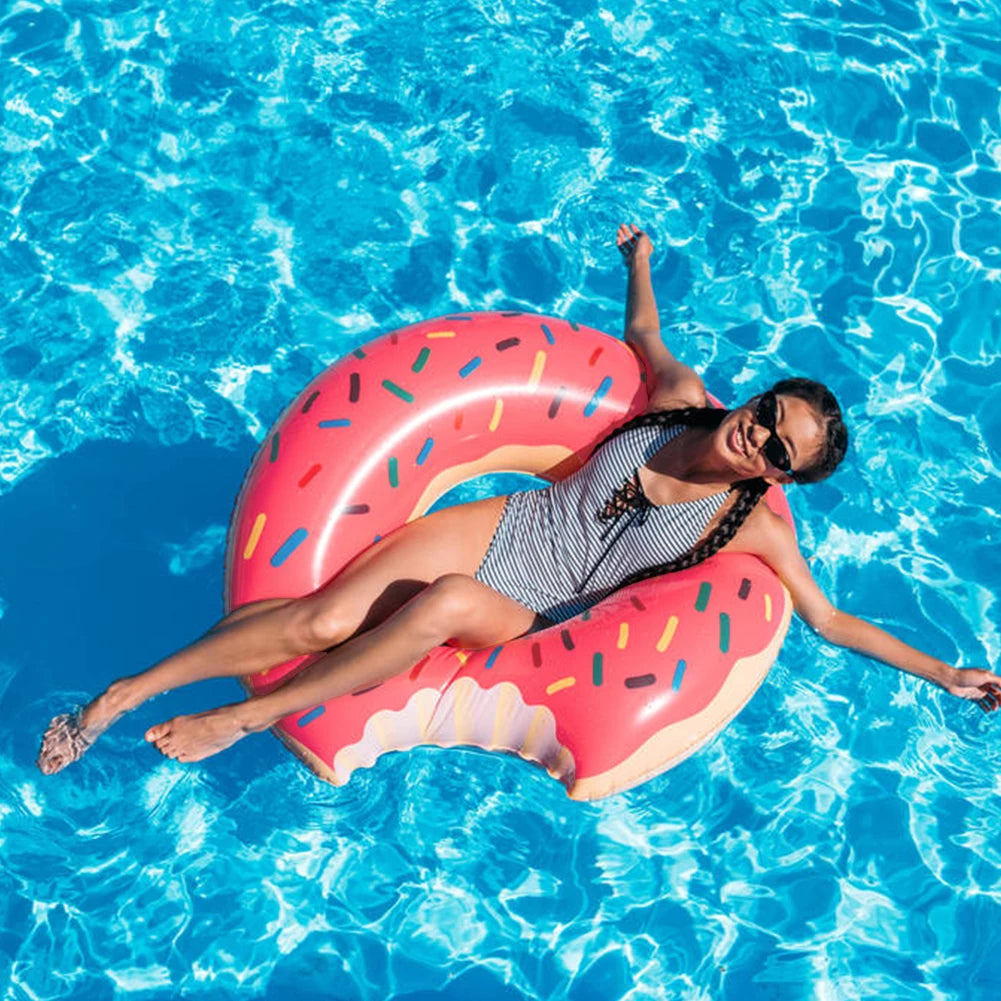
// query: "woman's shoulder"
[[764, 534]]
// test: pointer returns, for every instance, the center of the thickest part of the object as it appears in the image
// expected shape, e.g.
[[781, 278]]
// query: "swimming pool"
[[200, 206]]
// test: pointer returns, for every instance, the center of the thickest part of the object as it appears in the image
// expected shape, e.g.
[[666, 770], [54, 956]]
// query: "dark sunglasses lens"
[[767, 409], [776, 454]]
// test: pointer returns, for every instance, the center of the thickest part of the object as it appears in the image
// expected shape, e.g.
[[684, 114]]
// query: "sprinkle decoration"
[[398, 391], [492, 659], [470, 367], [679, 673], [439, 334], [313, 714], [496, 418], [597, 670], [558, 686], [554, 407], [548, 333], [355, 388], [289, 546], [309, 474], [641, 681], [255, 536], [745, 589], [394, 472], [623, 640], [536, 655], [312, 399], [537, 367], [599, 394], [702, 601], [421, 360], [724, 632], [339, 422], [668, 634], [274, 445], [567, 639], [425, 451], [507, 343]]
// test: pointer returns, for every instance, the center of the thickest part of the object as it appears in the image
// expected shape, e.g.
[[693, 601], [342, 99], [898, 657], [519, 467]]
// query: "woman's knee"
[[317, 622], [449, 601]]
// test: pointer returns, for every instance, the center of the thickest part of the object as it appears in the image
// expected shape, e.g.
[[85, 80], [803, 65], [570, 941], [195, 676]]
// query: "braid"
[[749, 492], [700, 417]]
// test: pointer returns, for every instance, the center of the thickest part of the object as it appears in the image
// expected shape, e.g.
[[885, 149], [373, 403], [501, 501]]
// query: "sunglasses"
[[773, 449]]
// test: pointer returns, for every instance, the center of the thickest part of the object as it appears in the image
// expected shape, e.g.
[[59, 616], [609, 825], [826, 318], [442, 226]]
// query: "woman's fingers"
[[627, 238]]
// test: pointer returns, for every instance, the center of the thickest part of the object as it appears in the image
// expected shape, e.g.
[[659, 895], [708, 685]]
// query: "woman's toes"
[[156, 733]]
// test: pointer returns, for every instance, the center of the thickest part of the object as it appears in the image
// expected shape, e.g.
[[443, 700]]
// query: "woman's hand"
[[975, 683], [633, 244]]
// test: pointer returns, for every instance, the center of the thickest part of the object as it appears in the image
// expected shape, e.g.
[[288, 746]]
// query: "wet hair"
[[749, 492], [822, 400]]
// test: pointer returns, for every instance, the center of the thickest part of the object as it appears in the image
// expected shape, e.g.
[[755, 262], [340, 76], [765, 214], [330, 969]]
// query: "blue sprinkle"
[[376, 539], [679, 673], [606, 385], [289, 546], [494, 654], [549, 334], [471, 366], [425, 451], [341, 422], [311, 715]]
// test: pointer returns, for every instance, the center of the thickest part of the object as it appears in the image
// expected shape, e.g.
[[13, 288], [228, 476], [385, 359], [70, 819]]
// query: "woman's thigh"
[[388, 574]]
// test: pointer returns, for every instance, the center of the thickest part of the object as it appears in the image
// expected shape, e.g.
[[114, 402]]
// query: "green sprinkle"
[[596, 670], [724, 632], [702, 601], [422, 360], [398, 391], [358, 353], [274, 446], [394, 473]]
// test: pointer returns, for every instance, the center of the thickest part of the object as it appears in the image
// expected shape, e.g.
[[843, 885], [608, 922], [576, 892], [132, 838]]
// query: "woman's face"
[[742, 437]]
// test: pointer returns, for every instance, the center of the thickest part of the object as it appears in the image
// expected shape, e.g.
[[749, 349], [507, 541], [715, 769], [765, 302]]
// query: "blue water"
[[201, 205]]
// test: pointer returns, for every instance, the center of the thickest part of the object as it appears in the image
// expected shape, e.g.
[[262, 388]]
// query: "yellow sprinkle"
[[255, 536], [623, 635], [558, 686], [537, 367], [440, 333], [498, 410], [462, 655], [768, 608], [668, 634]]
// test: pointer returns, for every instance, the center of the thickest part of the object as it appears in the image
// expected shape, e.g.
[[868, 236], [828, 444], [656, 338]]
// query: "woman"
[[661, 493]]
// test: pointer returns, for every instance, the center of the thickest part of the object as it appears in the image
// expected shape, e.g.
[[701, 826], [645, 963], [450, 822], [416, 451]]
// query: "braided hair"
[[749, 492]]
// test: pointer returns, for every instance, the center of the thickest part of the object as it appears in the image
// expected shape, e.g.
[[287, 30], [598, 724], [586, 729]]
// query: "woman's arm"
[[771, 539], [671, 383]]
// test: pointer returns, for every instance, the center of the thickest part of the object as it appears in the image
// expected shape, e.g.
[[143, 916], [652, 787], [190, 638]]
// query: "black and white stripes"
[[554, 553]]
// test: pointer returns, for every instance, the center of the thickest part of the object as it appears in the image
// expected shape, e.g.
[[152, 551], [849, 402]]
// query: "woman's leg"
[[262, 634], [453, 607]]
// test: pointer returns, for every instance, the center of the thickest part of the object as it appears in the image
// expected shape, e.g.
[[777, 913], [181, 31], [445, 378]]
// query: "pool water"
[[201, 205]]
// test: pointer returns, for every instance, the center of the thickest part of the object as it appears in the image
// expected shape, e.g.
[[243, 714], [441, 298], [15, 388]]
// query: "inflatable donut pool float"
[[603, 701]]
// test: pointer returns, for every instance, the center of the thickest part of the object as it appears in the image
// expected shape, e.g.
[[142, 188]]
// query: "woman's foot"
[[192, 738], [70, 735]]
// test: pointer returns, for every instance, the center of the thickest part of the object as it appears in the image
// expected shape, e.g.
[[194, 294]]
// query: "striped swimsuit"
[[560, 549]]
